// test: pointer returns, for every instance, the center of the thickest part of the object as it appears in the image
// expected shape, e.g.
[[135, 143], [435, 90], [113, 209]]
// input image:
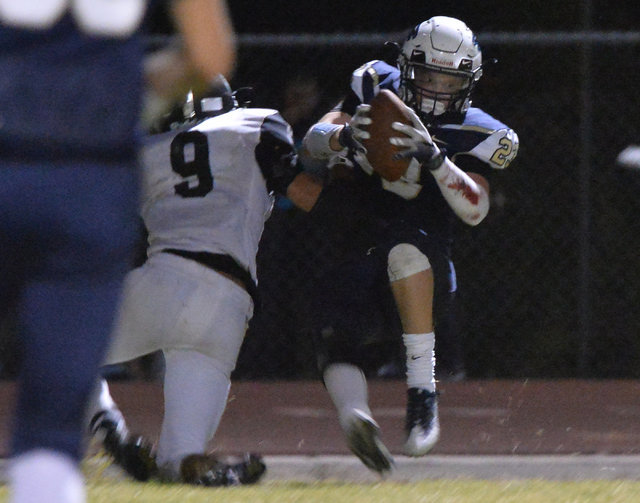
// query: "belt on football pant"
[[224, 264]]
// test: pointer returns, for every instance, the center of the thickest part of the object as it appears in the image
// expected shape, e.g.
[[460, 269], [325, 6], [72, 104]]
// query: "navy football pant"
[[67, 235], [354, 314]]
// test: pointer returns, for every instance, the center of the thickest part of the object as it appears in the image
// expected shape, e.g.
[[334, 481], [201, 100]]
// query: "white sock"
[[45, 475], [195, 396], [100, 400], [347, 388], [421, 360]]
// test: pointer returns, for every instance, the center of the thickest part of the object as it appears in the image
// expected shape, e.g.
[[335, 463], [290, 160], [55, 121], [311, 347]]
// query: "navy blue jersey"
[[478, 144], [67, 92]]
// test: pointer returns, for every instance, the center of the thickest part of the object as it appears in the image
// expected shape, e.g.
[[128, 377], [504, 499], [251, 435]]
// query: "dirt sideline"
[[488, 417]]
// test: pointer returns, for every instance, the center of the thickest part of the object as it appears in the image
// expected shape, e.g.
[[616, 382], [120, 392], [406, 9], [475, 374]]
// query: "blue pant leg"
[[346, 310], [87, 219]]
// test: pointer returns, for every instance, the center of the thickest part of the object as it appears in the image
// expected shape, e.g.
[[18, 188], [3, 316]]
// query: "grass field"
[[104, 485], [103, 490], [441, 491]]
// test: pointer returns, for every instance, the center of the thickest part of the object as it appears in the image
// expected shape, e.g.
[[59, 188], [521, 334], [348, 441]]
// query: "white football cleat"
[[422, 423]]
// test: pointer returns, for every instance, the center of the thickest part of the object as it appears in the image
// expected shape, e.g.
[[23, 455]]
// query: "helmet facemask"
[[440, 63], [435, 93]]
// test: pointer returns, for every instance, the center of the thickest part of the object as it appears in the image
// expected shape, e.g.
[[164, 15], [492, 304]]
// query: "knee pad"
[[405, 260]]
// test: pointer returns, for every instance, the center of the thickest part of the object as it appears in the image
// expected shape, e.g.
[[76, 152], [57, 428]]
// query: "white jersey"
[[208, 187]]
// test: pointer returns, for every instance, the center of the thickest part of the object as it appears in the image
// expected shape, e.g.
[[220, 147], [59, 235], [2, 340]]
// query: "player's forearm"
[[468, 199], [304, 191], [208, 36], [322, 140]]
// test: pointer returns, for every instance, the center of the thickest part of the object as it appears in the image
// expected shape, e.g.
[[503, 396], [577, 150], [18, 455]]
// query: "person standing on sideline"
[[70, 92]]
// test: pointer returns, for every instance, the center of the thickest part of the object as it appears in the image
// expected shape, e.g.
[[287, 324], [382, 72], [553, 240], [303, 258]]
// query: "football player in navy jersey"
[[402, 230], [70, 87]]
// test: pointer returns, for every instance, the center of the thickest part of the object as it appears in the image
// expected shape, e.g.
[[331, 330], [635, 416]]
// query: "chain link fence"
[[550, 282]]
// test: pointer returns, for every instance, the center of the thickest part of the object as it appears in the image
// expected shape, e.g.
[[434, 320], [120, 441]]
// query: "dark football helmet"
[[216, 100]]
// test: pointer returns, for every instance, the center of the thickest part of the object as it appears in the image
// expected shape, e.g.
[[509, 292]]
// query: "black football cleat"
[[363, 438], [209, 470], [131, 453]]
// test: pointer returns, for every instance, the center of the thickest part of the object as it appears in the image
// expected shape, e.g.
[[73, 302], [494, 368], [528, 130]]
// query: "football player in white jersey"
[[207, 191]]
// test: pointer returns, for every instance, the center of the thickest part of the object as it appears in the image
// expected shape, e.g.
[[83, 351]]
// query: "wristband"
[[318, 138], [435, 162], [428, 167]]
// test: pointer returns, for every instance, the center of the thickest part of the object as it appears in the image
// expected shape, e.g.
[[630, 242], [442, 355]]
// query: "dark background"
[[313, 16], [550, 282]]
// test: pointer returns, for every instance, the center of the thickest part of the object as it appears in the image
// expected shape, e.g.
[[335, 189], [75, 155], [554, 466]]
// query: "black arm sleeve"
[[275, 153]]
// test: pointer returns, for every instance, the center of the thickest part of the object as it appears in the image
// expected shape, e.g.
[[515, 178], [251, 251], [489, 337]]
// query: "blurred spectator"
[[301, 104], [70, 94]]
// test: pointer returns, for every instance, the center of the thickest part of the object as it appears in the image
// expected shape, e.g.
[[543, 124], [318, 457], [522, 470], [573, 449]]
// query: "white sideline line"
[[350, 469]]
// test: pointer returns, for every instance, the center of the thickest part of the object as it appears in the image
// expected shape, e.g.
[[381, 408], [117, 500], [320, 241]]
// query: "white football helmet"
[[440, 63]]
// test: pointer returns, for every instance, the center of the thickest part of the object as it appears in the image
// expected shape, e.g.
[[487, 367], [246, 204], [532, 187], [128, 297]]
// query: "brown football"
[[386, 108]]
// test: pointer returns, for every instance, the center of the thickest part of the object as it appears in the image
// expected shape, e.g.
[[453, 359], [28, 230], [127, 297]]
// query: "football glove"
[[417, 143], [352, 134]]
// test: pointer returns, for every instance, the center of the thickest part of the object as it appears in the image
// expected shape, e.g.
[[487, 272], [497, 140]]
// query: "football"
[[386, 108]]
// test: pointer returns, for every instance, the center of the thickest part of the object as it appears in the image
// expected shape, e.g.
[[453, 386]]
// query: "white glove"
[[352, 134], [417, 142]]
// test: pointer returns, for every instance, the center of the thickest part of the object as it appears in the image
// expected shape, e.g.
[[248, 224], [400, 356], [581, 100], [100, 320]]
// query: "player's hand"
[[353, 134], [417, 143]]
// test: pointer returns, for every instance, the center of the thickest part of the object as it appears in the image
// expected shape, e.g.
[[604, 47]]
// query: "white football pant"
[[198, 318]]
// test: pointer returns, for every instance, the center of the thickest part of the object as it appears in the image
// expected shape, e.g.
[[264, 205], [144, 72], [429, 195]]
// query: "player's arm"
[[344, 128], [335, 133], [304, 191], [206, 49], [278, 161], [208, 36], [323, 138], [479, 171], [466, 195]]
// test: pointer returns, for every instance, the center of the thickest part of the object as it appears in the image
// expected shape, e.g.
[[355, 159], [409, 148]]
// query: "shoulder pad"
[[498, 149], [374, 75], [483, 137]]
